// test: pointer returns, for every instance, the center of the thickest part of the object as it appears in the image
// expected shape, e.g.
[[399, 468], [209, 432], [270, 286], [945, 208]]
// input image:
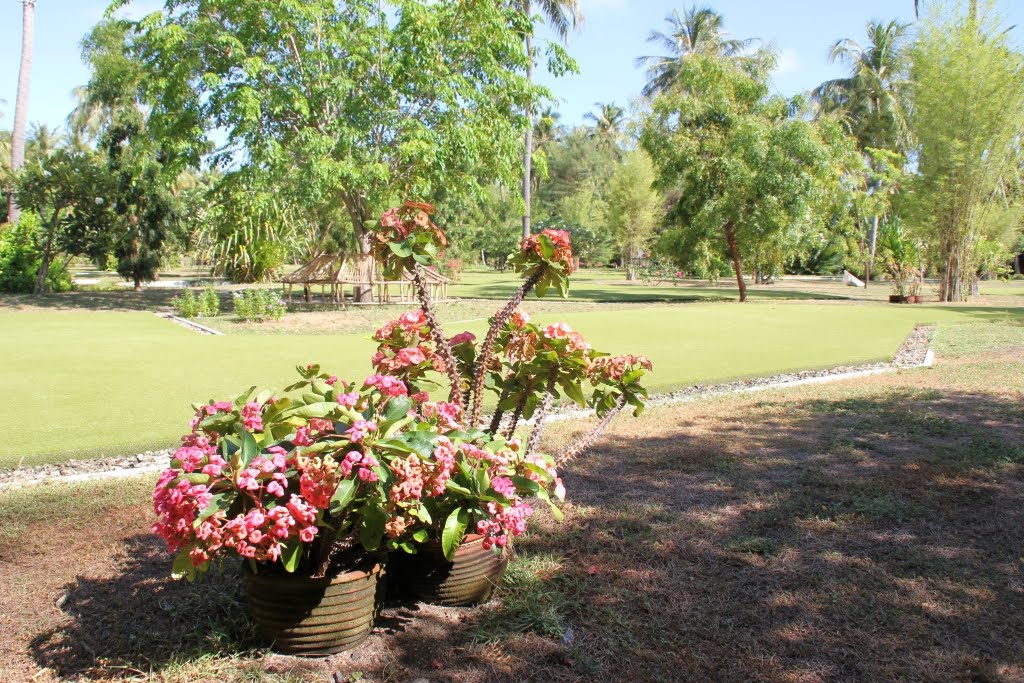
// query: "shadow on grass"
[[147, 300], [864, 539], [636, 294], [139, 620]]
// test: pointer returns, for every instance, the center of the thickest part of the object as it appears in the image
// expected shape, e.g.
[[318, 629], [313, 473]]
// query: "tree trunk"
[[528, 151], [737, 262], [44, 267], [21, 104], [872, 242]]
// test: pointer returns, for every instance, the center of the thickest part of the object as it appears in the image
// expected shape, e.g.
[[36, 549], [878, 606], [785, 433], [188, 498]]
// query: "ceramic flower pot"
[[898, 299], [315, 617], [470, 579]]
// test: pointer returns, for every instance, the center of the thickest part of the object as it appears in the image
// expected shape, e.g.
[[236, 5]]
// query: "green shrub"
[[205, 305], [20, 259], [259, 305], [209, 302]]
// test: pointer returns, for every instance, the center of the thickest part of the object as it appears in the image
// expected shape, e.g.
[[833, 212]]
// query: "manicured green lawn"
[[91, 383]]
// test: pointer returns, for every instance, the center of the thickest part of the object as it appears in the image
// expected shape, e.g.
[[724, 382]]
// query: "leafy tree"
[[747, 172], [697, 31], [143, 210], [968, 96], [344, 108], [633, 208], [66, 190]]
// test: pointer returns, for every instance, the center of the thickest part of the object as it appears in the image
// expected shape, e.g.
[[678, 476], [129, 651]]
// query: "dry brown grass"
[[865, 531]]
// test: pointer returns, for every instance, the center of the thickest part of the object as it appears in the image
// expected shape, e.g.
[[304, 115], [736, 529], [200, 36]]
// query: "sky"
[[613, 35]]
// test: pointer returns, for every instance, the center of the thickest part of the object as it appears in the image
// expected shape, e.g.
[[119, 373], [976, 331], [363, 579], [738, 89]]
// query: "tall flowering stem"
[[487, 348], [444, 349], [538, 420], [587, 441]]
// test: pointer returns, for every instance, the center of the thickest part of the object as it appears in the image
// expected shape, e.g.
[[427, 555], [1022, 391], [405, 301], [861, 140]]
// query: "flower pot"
[[314, 617], [469, 579], [897, 299]]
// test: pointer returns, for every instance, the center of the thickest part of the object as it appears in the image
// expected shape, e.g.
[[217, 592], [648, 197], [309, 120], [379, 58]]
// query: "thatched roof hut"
[[338, 271]]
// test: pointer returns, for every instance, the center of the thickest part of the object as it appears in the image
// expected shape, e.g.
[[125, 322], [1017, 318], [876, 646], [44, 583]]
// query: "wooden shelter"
[[335, 272]]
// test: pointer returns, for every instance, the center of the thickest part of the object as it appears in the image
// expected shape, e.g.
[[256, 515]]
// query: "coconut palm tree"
[[28, 18], [871, 98], [609, 121], [561, 15], [698, 30]]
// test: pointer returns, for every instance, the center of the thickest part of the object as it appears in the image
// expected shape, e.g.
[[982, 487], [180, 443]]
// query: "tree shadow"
[[140, 620], [873, 538]]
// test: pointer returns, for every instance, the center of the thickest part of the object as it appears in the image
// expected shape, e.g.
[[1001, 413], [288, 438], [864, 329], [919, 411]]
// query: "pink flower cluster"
[[364, 461], [258, 534], [502, 522], [387, 385], [448, 415], [615, 367], [561, 242]]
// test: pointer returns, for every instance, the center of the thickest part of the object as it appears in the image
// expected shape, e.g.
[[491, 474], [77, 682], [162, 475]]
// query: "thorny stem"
[[517, 414], [487, 348], [538, 418], [440, 340], [498, 412], [587, 441]]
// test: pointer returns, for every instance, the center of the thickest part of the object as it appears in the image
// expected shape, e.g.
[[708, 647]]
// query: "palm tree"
[[28, 18], [608, 122], [871, 99], [42, 141], [699, 30], [561, 15]]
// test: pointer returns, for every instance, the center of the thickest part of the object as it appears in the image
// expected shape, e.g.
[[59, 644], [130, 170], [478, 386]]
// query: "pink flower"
[[520, 318], [463, 338], [557, 331], [321, 425], [410, 356], [387, 385], [503, 486], [359, 429], [348, 400], [252, 418], [332, 380], [302, 437]]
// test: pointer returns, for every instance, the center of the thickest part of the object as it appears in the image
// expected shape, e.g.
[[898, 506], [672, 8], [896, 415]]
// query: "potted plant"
[[490, 467], [311, 487]]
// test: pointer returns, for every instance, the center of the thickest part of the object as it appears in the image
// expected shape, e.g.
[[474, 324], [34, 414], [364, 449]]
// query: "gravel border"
[[914, 353]]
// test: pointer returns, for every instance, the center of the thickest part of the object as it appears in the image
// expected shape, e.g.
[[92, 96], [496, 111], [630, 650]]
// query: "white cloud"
[[789, 61]]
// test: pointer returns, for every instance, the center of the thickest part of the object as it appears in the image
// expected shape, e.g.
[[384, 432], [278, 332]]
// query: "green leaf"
[[250, 449], [575, 392], [397, 408], [182, 567], [454, 532], [218, 502], [421, 536], [343, 495], [322, 409], [291, 554], [372, 531]]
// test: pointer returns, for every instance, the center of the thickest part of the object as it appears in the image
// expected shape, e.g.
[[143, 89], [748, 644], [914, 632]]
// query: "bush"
[[205, 305], [259, 305], [20, 260]]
